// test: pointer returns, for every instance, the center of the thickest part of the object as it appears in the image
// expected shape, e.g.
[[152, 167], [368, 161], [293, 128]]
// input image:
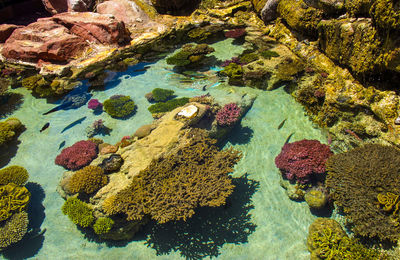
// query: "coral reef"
[[190, 54], [119, 106], [171, 187], [14, 174], [327, 240], [234, 72], [94, 104], [228, 115], [13, 229], [13, 199], [77, 156], [267, 54], [170, 105], [161, 95], [103, 225], [355, 180], [88, 180], [302, 160], [9, 129], [316, 198], [78, 212]]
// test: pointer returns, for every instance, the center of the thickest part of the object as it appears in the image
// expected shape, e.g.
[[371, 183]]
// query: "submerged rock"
[[112, 163]]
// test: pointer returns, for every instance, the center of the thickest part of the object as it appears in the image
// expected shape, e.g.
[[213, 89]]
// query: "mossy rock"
[[300, 16], [170, 105], [267, 54], [248, 57], [190, 54], [119, 106], [38, 85], [162, 95], [358, 7], [78, 212], [103, 225], [386, 14], [14, 174], [234, 72]]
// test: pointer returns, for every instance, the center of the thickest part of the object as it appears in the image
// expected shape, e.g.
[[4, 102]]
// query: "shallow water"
[[260, 221]]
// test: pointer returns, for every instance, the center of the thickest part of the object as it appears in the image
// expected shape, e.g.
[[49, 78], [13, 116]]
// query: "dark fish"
[[204, 88], [45, 127], [62, 144], [281, 124], [142, 69], [288, 138], [80, 120]]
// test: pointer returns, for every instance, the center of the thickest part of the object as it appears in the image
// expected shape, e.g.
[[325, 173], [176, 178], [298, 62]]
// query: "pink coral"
[[228, 115], [95, 104], [235, 33], [78, 155], [302, 159]]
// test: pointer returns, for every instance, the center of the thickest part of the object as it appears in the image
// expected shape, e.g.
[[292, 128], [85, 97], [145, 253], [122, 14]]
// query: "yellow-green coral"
[[88, 180], [391, 203], [78, 212], [103, 225], [8, 130], [13, 199], [385, 15], [357, 7], [15, 174], [13, 230]]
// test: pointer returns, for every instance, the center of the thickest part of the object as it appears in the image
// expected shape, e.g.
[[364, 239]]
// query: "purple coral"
[[229, 114], [95, 104], [235, 33], [302, 159], [78, 155], [233, 60]]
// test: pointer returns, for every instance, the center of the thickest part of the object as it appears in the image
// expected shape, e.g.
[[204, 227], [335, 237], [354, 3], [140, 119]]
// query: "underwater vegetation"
[[103, 225], [162, 107], [172, 187], [359, 181], [77, 156], [119, 106], [302, 160], [14, 200], [234, 72], [228, 115], [190, 55], [327, 240], [159, 95], [78, 212]]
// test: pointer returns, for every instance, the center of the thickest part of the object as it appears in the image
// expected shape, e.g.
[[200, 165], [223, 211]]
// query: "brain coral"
[[15, 174], [355, 180], [13, 199], [302, 159], [88, 180], [78, 155], [13, 230], [170, 188]]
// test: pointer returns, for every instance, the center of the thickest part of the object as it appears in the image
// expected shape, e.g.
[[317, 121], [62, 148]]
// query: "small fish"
[[45, 127], [288, 138], [80, 120], [281, 124], [38, 233], [353, 134], [204, 88], [62, 144], [329, 139]]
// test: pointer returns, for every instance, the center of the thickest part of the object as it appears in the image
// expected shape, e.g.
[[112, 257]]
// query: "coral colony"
[[201, 100]]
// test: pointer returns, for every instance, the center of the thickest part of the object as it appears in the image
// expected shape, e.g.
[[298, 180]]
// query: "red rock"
[[109, 149], [6, 30], [45, 40], [94, 27], [123, 10], [61, 6]]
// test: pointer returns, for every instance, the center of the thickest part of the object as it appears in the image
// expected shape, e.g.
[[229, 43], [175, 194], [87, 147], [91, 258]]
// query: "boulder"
[[63, 37], [144, 131], [269, 11], [6, 30], [61, 6], [45, 40], [94, 27], [123, 10], [330, 7]]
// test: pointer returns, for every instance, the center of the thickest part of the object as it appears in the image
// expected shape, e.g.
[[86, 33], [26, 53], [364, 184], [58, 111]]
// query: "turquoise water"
[[260, 221]]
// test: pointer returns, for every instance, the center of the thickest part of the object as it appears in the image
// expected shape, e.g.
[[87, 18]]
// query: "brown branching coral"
[[170, 188], [88, 180], [356, 178]]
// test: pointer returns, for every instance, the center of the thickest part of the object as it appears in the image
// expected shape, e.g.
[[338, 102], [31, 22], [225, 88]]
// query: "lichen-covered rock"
[[300, 16], [330, 7]]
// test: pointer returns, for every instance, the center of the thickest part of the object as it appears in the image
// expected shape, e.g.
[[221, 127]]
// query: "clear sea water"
[[260, 221]]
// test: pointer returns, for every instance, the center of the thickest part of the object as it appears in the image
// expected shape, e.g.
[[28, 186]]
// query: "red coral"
[[300, 160], [78, 155], [228, 115], [235, 33]]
